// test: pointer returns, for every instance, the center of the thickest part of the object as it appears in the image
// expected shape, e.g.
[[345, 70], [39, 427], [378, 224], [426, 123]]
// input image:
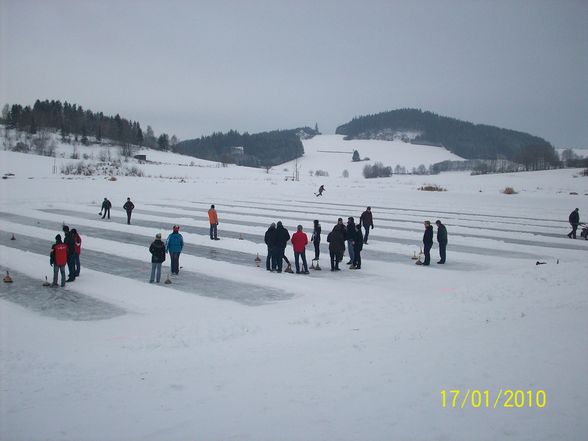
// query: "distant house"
[[237, 151], [140, 157]]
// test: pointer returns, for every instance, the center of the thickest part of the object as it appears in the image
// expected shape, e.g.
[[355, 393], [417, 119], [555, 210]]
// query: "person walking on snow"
[[174, 245], [428, 242], [213, 220], [105, 208], [77, 251], [574, 222], [367, 221], [442, 240], [299, 241], [58, 259], [316, 239], [157, 250], [69, 241], [129, 206], [320, 191]]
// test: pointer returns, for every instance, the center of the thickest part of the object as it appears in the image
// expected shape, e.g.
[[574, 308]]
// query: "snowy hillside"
[[229, 350]]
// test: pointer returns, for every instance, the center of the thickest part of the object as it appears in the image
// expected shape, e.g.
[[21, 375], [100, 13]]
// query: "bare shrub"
[[432, 187], [509, 190], [321, 173]]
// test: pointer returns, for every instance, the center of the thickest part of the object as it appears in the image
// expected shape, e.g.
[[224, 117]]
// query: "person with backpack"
[[428, 242], [128, 206], [157, 250], [174, 245], [442, 240], [574, 220], [69, 241], [213, 220], [106, 205], [58, 259], [299, 241], [366, 219], [77, 251]]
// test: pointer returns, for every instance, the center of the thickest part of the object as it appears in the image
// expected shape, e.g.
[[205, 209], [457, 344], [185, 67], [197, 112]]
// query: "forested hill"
[[471, 141], [264, 149]]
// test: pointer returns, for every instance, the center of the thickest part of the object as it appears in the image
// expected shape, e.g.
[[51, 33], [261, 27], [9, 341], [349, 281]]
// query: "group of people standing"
[[66, 251], [428, 242]]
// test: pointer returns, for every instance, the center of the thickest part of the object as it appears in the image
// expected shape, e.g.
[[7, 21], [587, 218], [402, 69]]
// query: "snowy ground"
[[229, 351]]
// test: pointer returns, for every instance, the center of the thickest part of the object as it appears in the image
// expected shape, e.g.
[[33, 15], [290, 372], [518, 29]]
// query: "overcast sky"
[[193, 67]]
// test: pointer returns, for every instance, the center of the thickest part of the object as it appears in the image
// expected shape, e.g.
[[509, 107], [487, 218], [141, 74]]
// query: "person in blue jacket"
[[174, 244]]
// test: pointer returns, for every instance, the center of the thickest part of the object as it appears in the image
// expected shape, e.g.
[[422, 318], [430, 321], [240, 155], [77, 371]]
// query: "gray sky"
[[193, 67]]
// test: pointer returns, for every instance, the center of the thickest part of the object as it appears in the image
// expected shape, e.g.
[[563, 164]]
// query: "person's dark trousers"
[[268, 259], [76, 264], [351, 251], [71, 266], [442, 251], [105, 212], [175, 262], [213, 231], [317, 250], [573, 232], [297, 263], [427, 255], [357, 258], [277, 256], [335, 259], [128, 217], [366, 234], [285, 257]]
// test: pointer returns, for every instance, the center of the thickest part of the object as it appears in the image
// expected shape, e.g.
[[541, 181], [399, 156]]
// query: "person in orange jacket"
[[213, 219], [299, 241]]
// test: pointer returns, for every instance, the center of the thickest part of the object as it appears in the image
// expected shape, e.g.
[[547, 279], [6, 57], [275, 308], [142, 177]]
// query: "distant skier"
[[58, 259], [157, 250], [320, 191], [428, 242], [316, 239], [213, 220], [174, 245], [106, 204], [299, 241], [78, 250], [367, 221], [69, 241], [574, 222], [129, 206], [442, 239]]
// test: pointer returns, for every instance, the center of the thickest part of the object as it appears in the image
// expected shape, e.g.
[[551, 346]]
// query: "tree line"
[[264, 149], [465, 139], [73, 120]]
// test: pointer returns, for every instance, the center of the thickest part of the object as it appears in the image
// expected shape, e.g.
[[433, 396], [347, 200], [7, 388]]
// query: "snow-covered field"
[[229, 351]]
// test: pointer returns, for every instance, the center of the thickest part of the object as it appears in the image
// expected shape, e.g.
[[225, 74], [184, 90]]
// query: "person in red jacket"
[[299, 241], [58, 259]]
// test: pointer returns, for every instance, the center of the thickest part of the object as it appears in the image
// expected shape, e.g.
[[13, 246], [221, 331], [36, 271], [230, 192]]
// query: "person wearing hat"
[[174, 245], [129, 206], [157, 250], [442, 239], [574, 222]]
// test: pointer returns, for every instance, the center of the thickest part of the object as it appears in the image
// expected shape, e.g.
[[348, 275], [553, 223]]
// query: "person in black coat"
[[357, 247], [574, 222], [428, 242], [442, 240], [367, 220], [270, 239], [281, 241], [336, 239], [316, 239], [69, 240], [129, 206], [350, 238], [157, 250], [106, 204]]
